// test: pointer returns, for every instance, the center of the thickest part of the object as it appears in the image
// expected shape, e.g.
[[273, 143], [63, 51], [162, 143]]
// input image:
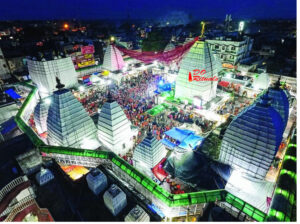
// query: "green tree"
[[154, 42]]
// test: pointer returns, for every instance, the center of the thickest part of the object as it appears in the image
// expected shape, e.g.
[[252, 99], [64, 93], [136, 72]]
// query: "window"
[[223, 48], [233, 48], [217, 47], [124, 146]]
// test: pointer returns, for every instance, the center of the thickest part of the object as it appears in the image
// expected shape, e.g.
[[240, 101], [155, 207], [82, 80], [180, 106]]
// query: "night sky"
[[142, 9]]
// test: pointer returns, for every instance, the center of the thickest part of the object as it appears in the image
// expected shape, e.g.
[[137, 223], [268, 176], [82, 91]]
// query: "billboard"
[[88, 49]]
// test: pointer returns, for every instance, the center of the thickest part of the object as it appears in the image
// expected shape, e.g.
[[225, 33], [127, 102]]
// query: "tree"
[[154, 42]]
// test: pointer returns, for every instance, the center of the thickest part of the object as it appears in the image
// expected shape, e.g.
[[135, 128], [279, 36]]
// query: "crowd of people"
[[136, 96]]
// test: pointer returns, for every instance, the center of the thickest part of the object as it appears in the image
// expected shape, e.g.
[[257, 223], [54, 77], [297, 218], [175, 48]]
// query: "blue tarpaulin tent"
[[187, 139], [191, 141], [7, 126], [167, 143], [12, 94], [178, 134]]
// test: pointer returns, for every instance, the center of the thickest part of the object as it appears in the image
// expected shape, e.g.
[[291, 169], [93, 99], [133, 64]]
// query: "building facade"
[[4, 71], [231, 51], [43, 73]]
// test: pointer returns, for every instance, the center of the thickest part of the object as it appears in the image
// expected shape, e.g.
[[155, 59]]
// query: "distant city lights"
[[66, 26]]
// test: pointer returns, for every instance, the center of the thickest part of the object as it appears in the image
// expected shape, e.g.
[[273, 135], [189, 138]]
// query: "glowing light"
[[66, 26], [81, 88], [171, 78], [161, 82], [244, 73], [241, 26], [48, 101], [155, 63], [89, 144], [197, 102], [112, 38], [228, 75], [108, 82], [43, 89]]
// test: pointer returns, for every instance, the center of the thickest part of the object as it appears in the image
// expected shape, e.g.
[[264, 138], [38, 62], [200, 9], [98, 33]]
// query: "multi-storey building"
[[230, 49]]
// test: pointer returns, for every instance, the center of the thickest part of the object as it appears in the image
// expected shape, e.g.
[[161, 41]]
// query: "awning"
[[191, 141], [178, 134], [224, 84], [12, 94], [168, 144]]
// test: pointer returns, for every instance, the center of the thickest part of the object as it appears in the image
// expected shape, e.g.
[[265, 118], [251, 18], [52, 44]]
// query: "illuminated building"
[[4, 72], [231, 50], [148, 153], [137, 214], [114, 128], [252, 139], [171, 204], [115, 199], [68, 123], [43, 73], [97, 181], [40, 116], [113, 60], [199, 57], [44, 176], [279, 101], [82, 56]]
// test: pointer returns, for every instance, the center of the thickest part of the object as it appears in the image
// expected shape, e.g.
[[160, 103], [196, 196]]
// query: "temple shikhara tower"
[[199, 57], [252, 139], [68, 123], [148, 153], [113, 60], [40, 116], [114, 128]]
